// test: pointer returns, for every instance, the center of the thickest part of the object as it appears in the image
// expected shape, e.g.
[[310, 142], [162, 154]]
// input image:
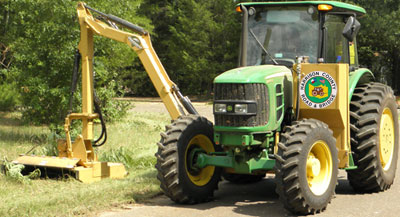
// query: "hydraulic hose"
[[103, 134], [120, 21], [97, 109], [75, 76]]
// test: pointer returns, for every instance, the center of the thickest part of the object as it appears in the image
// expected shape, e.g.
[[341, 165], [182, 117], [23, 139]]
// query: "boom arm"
[[140, 42]]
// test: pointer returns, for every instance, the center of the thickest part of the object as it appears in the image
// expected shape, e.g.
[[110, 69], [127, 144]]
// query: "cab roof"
[[337, 6]]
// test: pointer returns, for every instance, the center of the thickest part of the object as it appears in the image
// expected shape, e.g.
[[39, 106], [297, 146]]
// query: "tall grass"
[[130, 141], [17, 138]]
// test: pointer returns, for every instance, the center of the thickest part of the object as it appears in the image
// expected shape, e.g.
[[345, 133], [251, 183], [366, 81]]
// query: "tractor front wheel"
[[306, 166], [180, 179]]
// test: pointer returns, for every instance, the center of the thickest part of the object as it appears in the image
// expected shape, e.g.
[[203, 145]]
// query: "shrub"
[[9, 97]]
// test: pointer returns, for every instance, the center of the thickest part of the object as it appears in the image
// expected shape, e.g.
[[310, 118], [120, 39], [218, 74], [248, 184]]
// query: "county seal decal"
[[318, 89]]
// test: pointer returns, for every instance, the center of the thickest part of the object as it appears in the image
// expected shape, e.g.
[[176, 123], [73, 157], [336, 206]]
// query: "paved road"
[[260, 199], [204, 108]]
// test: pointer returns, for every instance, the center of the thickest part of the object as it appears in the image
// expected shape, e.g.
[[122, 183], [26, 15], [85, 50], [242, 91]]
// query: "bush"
[[44, 39], [9, 97]]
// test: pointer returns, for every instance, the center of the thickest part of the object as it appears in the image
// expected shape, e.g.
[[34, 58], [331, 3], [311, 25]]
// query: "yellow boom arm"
[[140, 43]]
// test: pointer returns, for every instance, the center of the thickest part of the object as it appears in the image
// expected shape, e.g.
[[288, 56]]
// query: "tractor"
[[299, 105]]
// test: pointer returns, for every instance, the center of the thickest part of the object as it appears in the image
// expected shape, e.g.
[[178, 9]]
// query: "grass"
[[131, 141]]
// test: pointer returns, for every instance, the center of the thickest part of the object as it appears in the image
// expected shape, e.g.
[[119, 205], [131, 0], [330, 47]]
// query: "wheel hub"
[[319, 167], [198, 144], [386, 138], [313, 166]]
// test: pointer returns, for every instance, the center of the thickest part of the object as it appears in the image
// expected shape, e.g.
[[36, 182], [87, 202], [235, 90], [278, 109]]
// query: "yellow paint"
[[43, 161], [352, 49], [336, 115], [86, 173], [99, 170], [147, 56], [386, 139], [202, 177], [319, 167], [276, 142]]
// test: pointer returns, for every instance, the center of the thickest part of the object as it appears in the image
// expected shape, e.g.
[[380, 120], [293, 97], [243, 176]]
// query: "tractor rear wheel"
[[374, 137], [176, 157], [306, 166]]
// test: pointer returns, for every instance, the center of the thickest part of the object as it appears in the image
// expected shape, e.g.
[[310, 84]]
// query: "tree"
[[196, 40], [43, 37], [379, 46]]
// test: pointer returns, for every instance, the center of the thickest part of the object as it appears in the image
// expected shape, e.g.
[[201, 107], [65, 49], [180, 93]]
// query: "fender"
[[357, 77]]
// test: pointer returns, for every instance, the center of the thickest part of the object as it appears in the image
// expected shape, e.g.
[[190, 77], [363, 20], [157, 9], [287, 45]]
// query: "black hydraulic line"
[[120, 21], [75, 76], [103, 134], [185, 101]]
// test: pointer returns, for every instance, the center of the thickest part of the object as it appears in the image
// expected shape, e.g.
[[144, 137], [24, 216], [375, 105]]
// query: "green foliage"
[[46, 144], [13, 172], [8, 97], [378, 40], [43, 37], [195, 40]]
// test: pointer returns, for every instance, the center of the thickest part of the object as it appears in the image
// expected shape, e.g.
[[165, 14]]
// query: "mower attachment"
[[60, 166]]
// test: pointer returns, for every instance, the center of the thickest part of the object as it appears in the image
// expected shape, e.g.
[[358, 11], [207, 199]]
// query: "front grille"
[[237, 92]]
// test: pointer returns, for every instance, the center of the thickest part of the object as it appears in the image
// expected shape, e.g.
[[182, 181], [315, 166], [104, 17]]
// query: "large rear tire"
[[375, 137], [306, 166], [180, 179]]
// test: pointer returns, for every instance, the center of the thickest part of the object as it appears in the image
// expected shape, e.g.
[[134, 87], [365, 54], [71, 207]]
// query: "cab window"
[[337, 46]]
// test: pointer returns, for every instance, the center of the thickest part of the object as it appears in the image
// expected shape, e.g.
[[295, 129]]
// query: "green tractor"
[[298, 106]]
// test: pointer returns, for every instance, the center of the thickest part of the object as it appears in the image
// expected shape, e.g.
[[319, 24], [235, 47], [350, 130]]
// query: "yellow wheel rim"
[[319, 167], [202, 176], [386, 139]]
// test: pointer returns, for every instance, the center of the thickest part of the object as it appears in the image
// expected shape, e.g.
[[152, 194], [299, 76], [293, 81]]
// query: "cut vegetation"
[[131, 141]]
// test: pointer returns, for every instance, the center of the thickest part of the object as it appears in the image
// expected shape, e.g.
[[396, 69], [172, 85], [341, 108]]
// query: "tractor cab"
[[278, 32]]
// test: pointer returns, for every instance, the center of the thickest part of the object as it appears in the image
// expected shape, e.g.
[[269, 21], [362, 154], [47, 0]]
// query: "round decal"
[[318, 89]]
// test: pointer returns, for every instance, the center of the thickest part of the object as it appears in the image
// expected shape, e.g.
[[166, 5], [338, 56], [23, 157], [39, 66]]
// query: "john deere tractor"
[[298, 105]]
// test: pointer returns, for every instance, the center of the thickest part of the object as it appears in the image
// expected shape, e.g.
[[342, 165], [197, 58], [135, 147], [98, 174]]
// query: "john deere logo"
[[318, 89]]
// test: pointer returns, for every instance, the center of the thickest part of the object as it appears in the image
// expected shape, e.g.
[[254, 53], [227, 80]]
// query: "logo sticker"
[[318, 89]]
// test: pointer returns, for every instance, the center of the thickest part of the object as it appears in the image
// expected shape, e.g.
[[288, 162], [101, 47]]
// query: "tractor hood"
[[252, 74]]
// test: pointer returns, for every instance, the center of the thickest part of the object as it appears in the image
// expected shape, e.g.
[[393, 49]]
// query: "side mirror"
[[351, 28]]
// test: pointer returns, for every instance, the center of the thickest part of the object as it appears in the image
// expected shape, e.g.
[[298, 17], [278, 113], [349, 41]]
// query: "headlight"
[[241, 108], [220, 108]]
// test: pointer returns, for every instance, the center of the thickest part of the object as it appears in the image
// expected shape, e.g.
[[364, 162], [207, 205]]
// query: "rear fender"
[[357, 77]]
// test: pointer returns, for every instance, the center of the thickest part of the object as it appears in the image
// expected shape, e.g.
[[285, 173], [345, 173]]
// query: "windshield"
[[285, 32]]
